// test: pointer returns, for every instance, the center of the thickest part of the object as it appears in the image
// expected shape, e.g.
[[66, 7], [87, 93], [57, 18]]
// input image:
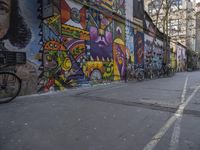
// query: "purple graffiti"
[[101, 43]]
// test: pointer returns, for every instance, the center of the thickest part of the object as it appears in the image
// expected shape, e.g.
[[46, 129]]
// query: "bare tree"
[[162, 10]]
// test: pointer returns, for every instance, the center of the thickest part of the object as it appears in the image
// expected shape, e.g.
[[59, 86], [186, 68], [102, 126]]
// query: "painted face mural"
[[73, 14], [5, 10], [12, 24], [64, 56], [16, 34], [101, 36]]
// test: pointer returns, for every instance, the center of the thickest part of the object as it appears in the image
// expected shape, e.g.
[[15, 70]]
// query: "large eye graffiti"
[[75, 15]]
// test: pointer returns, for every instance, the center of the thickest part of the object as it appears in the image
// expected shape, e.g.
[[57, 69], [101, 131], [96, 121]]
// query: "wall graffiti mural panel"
[[99, 63], [19, 32], [153, 52], [119, 32], [101, 39], [130, 44], [181, 58], [119, 54], [119, 50], [74, 35], [52, 61], [139, 47], [158, 53], [64, 47]]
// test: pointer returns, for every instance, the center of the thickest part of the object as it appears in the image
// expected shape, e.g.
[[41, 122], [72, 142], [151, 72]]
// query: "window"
[[174, 24]]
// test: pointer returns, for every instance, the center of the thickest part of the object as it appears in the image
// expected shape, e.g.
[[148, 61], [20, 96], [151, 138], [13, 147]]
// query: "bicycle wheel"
[[10, 86], [140, 76]]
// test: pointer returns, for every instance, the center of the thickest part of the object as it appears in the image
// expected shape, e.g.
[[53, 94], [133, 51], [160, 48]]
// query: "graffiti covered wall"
[[153, 52], [69, 43], [85, 45]]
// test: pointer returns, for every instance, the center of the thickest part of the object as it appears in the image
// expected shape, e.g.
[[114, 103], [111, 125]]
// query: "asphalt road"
[[160, 114]]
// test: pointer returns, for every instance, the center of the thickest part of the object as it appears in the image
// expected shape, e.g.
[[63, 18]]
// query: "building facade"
[[175, 18], [198, 28]]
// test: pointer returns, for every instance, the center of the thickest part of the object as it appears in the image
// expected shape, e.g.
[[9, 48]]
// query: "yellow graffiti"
[[91, 65], [67, 64], [119, 41], [53, 19], [75, 32], [59, 85], [54, 46]]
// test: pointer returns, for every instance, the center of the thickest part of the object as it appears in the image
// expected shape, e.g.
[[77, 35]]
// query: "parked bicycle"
[[135, 71], [148, 72], [166, 70], [10, 83]]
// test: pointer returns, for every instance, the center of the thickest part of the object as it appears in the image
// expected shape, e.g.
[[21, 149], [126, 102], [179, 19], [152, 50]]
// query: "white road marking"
[[156, 138], [176, 134], [184, 90], [177, 127]]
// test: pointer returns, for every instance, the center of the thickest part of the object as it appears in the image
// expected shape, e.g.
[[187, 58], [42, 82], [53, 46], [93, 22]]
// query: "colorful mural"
[[181, 58], [64, 48], [98, 70], [153, 52], [139, 47], [119, 50], [130, 43], [100, 28]]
